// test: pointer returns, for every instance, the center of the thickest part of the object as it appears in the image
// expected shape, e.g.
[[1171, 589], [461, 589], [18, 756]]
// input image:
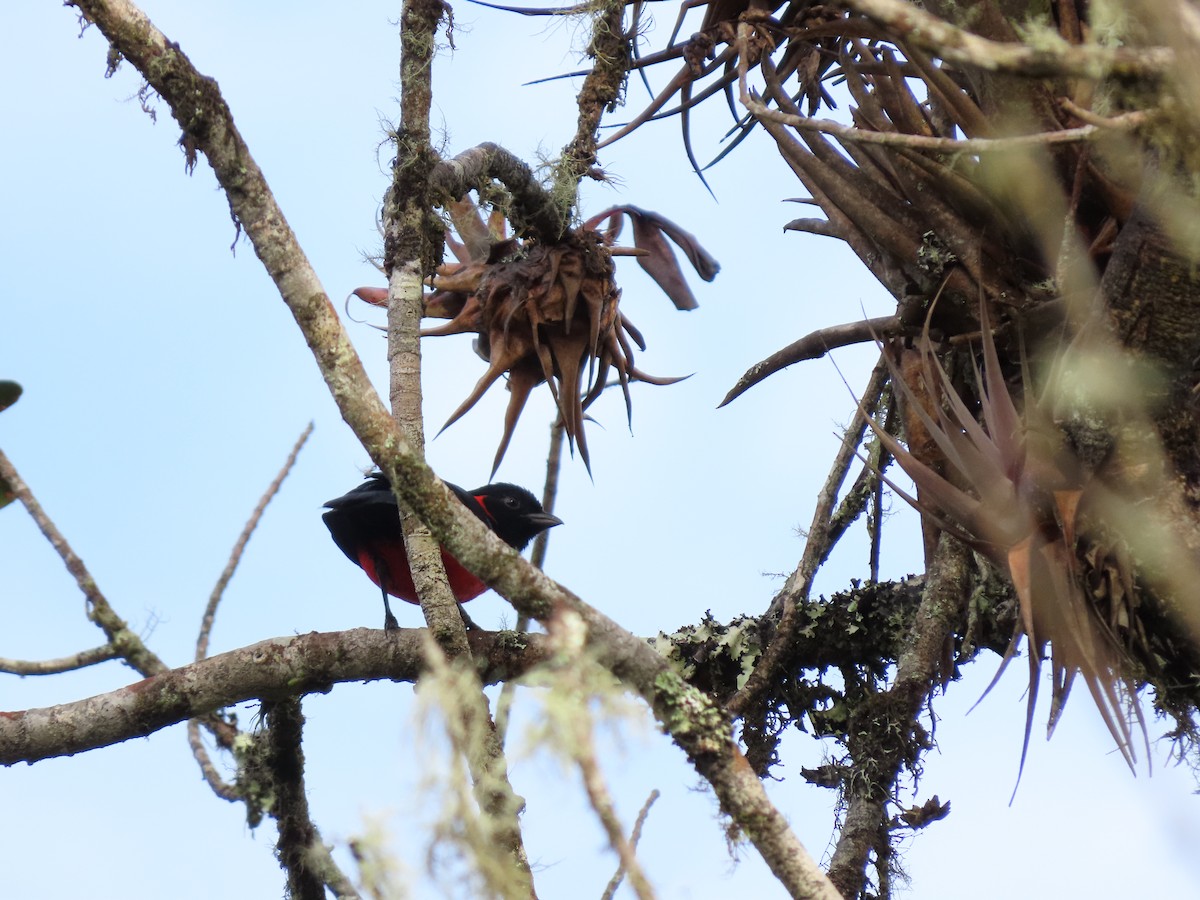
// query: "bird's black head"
[[515, 514]]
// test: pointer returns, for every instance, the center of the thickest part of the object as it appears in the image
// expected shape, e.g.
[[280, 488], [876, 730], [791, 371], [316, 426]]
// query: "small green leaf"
[[9, 392]]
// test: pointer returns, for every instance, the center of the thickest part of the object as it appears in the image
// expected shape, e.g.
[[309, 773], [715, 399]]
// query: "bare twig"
[[816, 551], [210, 611], [601, 802], [541, 544], [128, 645], [220, 787], [1117, 122], [1126, 121], [80, 660], [618, 876], [125, 644]]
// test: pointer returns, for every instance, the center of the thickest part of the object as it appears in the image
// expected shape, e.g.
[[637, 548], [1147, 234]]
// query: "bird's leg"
[[389, 620]]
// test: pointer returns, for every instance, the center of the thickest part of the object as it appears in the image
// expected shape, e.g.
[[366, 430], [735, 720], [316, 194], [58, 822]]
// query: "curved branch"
[[534, 212], [222, 789], [279, 667]]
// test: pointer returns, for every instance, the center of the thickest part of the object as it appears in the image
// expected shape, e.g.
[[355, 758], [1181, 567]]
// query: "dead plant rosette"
[[550, 312], [1007, 484]]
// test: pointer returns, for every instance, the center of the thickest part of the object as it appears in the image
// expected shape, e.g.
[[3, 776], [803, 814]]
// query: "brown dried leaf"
[[374, 296]]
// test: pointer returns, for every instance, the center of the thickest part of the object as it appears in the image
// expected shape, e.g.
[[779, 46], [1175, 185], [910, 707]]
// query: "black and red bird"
[[365, 524]]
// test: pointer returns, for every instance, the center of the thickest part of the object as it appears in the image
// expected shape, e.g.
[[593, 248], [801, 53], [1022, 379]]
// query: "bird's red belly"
[[463, 584]]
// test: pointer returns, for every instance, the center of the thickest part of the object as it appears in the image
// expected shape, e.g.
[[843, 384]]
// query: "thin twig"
[[1125, 121], [1091, 118], [877, 461], [602, 804], [619, 875], [541, 544], [220, 787], [80, 660], [210, 611], [130, 647], [816, 551]]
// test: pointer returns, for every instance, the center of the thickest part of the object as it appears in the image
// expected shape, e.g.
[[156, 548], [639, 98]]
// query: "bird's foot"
[[471, 626]]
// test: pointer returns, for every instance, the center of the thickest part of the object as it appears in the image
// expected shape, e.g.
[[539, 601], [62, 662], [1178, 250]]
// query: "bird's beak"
[[544, 520]]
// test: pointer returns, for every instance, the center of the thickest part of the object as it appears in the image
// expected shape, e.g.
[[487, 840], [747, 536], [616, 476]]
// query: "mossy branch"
[[534, 213]]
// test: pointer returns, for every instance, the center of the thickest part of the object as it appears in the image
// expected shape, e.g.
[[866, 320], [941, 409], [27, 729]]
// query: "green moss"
[[690, 716]]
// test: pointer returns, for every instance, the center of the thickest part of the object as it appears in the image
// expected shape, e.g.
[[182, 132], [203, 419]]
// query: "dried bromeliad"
[[1008, 485], [550, 312]]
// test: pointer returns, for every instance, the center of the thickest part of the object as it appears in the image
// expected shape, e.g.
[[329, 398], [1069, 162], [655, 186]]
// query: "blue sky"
[[165, 382]]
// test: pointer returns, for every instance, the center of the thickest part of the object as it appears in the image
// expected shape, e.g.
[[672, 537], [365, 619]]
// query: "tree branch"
[[1087, 132], [534, 212], [618, 876], [413, 247], [275, 668], [911, 24], [885, 734], [537, 558], [80, 660], [611, 51], [219, 786], [299, 847]]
